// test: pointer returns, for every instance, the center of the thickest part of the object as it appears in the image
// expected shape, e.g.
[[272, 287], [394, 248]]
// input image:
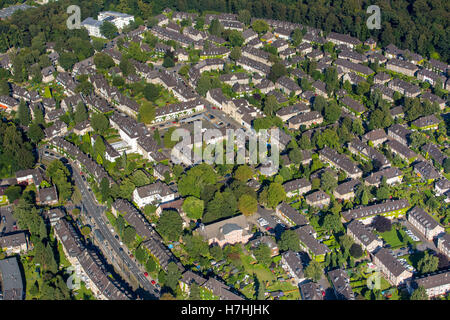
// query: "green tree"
[[81, 113], [243, 173], [260, 26], [356, 251], [193, 207], [35, 133], [170, 225], [146, 112], [108, 30], [263, 254], [215, 28], [24, 114], [276, 71], [313, 271], [103, 61], [428, 263], [247, 204], [235, 54], [13, 193], [168, 62], [332, 223], [419, 294], [99, 122], [289, 241], [151, 91], [328, 181], [129, 235], [275, 194]]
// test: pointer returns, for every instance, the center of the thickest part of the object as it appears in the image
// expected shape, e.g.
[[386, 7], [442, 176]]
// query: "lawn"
[[291, 292], [261, 272], [31, 276], [207, 295], [395, 238], [84, 293]]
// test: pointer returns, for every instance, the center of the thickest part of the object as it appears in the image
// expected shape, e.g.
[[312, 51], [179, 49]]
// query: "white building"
[[120, 20], [93, 27]]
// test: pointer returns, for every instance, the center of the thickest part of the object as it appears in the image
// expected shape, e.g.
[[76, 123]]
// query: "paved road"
[[96, 212]]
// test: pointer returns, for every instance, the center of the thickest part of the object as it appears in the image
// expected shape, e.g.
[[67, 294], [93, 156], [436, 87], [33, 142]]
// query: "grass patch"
[[261, 272], [396, 238]]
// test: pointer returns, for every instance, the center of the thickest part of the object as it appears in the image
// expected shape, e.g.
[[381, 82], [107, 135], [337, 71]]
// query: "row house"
[[297, 187], [401, 150], [288, 112], [352, 56], [430, 122], [435, 284], [249, 35], [215, 52], [280, 45], [282, 33], [8, 104], [292, 262], [348, 66], [381, 78], [305, 119], [343, 39], [233, 78], [174, 111], [88, 265], [358, 147], [291, 216], [288, 86], [315, 249], [346, 190], [399, 133], [15, 243], [353, 105], [59, 128], [289, 53], [401, 66], [257, 55], [81, 159], [363, 236], [437, 66], [318, 199], [375, 137], [304, 48], [386, 92], [425, 223], [430, 77], [23, 94], [311, 291], [432, 151], [391, 268], [313, 39], [404, 87], [390, 209], [320, 88], [441, 186], [157, 192], [53, 115], [253, 65], [193, 33], [444, 244], [340, 282], [392, 175], [432, 98], [339, 161], [129, 129], [426, 171]]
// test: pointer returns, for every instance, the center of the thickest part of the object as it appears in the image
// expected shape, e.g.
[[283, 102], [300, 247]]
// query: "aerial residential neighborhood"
[[238, 151]]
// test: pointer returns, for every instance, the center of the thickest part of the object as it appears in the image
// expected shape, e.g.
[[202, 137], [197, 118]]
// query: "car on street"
[[153, 282]]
